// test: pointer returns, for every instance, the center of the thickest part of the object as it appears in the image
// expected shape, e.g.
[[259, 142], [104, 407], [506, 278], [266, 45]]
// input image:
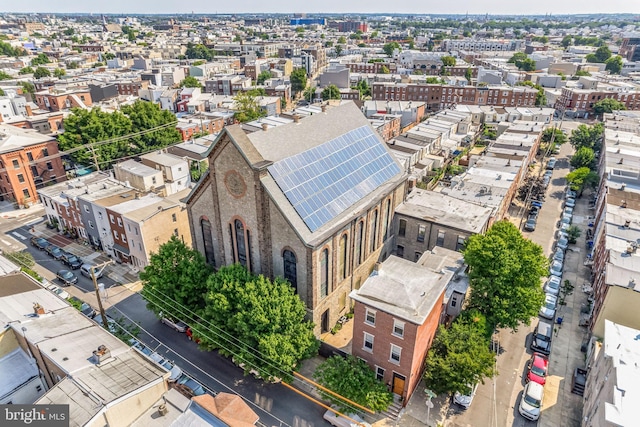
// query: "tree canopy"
[[330, 92], [247, 107], [41, 72], [582, 178], [7, 49], [40, 59], [448, 61], [614, 64], [522, 61], [266, 318], [59, 72], [298, 80], [26, 70], [264, 76], [600, 56], [89, 126], [608, 105], [355, 380], [191, 81], [583, 157], [460, 356], [175, 277], [541, 98], [587, 136], [199, 51], [505, 272], [390, 47]]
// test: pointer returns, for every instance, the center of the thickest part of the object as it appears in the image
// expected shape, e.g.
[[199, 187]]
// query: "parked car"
[[175, 324], [556, 268], [66, 277], [85, 270], [563, 242], [568, 212], [553, 285], [534, 210], [545, 181], [558, 255], [54, 251], [537, 368], [85, 308], [40, 243], [570, 194], [113, 326], [531, 401], [551, 163], [189, 333], [566, 219], [542, 335], [570, 202], [548, 309], [530, 225], [464, 400], [71, 260], [174, 371], [340, 421], [548, 173], [190, 386], [58, 291]]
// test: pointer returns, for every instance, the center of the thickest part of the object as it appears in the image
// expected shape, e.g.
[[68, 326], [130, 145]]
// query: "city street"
[[496, 401], [275, 404]]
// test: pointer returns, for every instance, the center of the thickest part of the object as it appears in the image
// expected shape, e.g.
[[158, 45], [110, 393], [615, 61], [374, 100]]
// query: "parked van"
[[85, 270], [542, 335]]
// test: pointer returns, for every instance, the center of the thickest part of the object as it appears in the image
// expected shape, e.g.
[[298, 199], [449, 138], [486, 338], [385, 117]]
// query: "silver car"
[[553, 285], [531, 401], [570, 203], [548, 309], [556, 268], [464, 400]]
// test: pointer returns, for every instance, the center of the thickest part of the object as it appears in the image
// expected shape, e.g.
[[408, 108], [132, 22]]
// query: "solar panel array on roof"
[[322, 182]]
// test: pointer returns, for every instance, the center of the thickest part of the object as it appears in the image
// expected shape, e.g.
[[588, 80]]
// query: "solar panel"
[[324, 181]]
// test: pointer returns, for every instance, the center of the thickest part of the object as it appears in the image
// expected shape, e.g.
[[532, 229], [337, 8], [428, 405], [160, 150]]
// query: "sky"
[[326, 6]]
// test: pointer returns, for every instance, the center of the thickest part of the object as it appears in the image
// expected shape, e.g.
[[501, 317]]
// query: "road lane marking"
[[20, 236]]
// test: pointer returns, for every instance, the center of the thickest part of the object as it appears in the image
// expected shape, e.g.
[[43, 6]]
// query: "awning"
[[121, 249]]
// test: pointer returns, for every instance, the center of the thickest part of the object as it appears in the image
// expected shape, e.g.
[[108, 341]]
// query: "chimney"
[[137, 195], [265, 127], [627, 223], [38, 309], [101, 354], [324, 108], [296, 117]]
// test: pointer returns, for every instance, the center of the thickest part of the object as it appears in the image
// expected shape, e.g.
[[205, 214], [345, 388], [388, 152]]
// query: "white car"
[[548, 309], [563, 243], [570, 193], [570, 203], [553, 285], [57, 290], [566, 219], [465, 400], [568, 211], [340, 421], [531, 401], [175, 324], [556, 268]]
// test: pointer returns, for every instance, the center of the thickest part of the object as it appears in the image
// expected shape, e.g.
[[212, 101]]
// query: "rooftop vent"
[[38, 309], [101, 354]]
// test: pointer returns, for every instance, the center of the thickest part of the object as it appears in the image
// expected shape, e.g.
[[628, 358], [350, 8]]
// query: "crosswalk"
[[19, 235]]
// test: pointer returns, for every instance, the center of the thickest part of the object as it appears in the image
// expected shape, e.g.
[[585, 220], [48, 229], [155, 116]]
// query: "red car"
[[191, 337], [537, 368]]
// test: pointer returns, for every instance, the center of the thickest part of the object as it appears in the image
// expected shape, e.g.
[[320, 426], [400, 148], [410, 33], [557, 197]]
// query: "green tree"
[[247, 108], [59, 72], [390, 47], [147, 115], [338, 50], [68, 31], [460, 356], [505, 272], [199, 62], [355, 380], [198, 51], [330, 92], [41, 72], [583, 157], [614, 64], [265, 318], [263, 76], [309, 94], [363, 88], [468, 74], [27, 87], [5, 76], [602, 54], [190, 81], [608, 105], [2, 92], [587, 136], [581, 73], [72, 65], [22, 259], [342, 40], [566, 41], [41, 59], [527, 65], [175, 279], [518, 56], [581, 179], [554, 134], [26, 70], [108, 55], [448, 61], [298, 80], [7, 49], [384, 70]]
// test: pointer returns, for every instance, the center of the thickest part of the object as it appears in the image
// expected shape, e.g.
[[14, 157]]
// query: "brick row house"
[[438, 97], [28, 160]]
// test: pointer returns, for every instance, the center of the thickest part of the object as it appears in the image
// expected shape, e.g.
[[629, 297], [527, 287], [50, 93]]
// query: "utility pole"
[[95, 158], [95, 286]]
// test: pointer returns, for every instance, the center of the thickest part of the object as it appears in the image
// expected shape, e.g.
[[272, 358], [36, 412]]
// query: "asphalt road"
[[274, 404]]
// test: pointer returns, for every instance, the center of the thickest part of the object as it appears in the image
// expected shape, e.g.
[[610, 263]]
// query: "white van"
[[339, 421]]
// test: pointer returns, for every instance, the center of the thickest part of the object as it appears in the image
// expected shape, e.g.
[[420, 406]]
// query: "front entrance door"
[[398, 384], [324, 322]]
